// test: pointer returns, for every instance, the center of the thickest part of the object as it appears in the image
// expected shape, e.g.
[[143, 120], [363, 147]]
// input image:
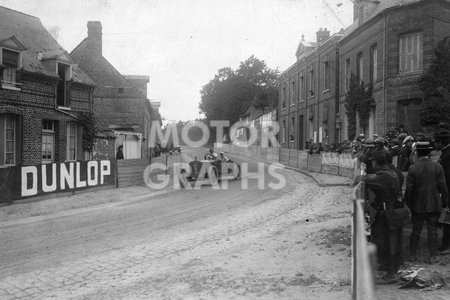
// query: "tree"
[[232, 92], [435, 84], [358, 101]]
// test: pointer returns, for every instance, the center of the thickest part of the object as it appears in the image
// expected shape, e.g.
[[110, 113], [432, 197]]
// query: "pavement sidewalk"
[[42, 207], [322, 179]]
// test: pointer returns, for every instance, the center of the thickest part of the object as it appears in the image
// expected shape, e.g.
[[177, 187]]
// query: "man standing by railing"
[[426, 195], [385, 186]]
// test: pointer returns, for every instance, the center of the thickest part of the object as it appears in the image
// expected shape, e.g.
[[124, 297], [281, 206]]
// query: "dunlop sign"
[[68, 176]]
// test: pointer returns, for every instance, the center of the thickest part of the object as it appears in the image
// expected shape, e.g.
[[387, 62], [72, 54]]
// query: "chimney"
[[94, 39], [322, 35]]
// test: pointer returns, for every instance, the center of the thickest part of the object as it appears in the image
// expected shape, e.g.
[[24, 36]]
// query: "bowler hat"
[[424, 145], [368, 143]]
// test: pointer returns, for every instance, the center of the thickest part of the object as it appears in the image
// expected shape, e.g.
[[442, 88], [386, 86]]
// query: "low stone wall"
[[327, 162]]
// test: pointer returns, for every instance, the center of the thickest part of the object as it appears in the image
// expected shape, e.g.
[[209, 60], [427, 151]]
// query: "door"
[[132, 147]]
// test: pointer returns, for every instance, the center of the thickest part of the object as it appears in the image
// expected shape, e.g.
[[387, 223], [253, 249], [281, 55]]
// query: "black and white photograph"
[[211, 149]]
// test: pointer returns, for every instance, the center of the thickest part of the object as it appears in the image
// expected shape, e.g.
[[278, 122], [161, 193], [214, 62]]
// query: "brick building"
[[120, 104], [42, 94], [389, 46]]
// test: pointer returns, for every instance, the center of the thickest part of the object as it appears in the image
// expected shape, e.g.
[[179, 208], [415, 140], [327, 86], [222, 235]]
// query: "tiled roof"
[[382, 6], [108, 79], [30, 33]]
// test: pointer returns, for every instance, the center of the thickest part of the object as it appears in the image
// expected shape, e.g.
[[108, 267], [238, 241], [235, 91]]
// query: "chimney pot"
[[94, 39]]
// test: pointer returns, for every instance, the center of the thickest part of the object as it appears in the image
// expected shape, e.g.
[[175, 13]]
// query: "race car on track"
[[208, 171]]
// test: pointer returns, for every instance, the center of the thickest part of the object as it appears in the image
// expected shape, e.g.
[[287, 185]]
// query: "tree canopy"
[[435, 84], [232, 92]]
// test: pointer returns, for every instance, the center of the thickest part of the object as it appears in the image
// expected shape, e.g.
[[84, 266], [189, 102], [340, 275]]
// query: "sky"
[[181, 44]]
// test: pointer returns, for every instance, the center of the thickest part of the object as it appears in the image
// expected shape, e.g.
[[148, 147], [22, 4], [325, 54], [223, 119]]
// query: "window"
[[283, 132], [283, 105], [10, 141], [64, 76], [327, 73], [411, 52], [11, 60], [48, 141], [311, 83], [373, 63], [361, 14], [302, 87], [359, 66], [293, 93], [347, 74], [71, 141]]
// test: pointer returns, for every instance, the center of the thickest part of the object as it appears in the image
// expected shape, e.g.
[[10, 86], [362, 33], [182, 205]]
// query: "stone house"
[[389, 46]]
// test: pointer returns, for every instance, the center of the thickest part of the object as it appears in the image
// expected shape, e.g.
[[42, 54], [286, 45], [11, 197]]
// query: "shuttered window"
[[411, 53]]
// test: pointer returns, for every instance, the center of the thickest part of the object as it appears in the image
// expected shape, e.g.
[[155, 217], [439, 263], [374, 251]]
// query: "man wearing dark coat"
[[426, 194], [443, 139], [385, 185]]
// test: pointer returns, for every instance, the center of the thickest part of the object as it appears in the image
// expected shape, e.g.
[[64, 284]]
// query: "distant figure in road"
[[426, 195], [211, 155], [119, 154]]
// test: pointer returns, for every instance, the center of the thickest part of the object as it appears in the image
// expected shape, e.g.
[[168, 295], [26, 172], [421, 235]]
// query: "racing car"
[[208, 171]]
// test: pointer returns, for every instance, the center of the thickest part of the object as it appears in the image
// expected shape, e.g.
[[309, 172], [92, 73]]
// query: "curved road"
[[70, 251]]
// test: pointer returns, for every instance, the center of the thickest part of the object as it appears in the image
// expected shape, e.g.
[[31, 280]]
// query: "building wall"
[[34, 103], [404, 97], [350, 47], [314, 107]]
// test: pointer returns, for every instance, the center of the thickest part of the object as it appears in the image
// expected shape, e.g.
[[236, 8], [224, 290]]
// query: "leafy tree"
[[232, 92], [435, 84], [358, 100], [88, 121]]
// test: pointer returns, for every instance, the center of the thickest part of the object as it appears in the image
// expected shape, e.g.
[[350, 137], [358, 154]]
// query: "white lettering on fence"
[[67, 176], [25, 190], [45, 187], [70, 176]]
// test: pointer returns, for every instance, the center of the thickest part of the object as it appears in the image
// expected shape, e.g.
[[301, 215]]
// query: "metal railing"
[[363, 253]]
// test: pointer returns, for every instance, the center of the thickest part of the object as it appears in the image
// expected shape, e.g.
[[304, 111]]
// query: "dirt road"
[[236, 243]]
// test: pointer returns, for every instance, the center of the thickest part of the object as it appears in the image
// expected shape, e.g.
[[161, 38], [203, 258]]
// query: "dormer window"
[[64, 73], [10, 61]]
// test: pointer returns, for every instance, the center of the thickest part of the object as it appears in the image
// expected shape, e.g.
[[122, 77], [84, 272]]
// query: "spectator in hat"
[[443, 143], [426, 194], [384, 184], [405, 153], [119, 154], [401, 158], [419, 137], [395, 151]]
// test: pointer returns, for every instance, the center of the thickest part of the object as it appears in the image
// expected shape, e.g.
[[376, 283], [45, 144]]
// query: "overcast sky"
[[181, 44]]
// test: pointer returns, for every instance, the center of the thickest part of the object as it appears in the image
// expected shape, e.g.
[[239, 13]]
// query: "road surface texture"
[[135, 243]]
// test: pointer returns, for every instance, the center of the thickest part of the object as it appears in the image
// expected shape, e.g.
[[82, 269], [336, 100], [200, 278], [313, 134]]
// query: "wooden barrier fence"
[[327, 162]]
